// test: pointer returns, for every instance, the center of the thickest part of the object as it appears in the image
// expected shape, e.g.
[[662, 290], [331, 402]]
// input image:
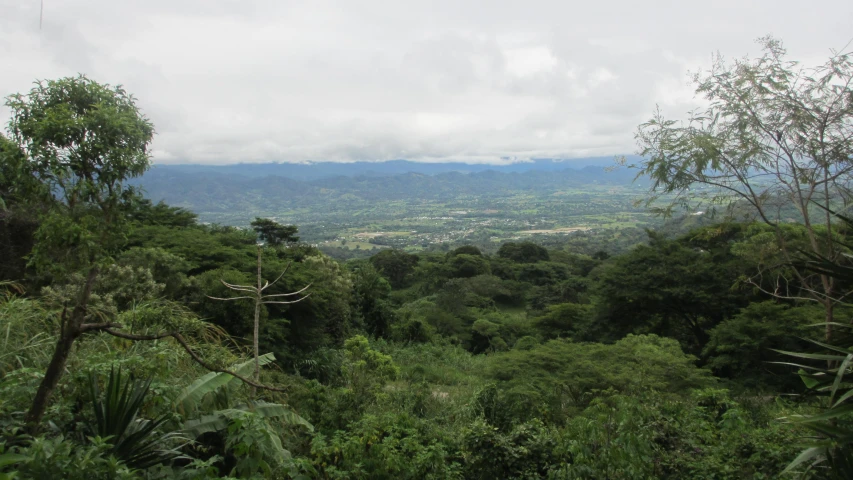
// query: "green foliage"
[[145, 212], [562, 320], [370, 299], [452, 363], [525, 452], [523, 252], [192, 397], [365, 368], [741, 347], [830, 452], [466, 266], [395, 265], [235, 317], [713, 436], [727, 146], [84, 140], [610, 439], [466, 250], [117, 288], [166, 268], [58, 457], [387, 446], [274, 233], [669, 288], [560, 375], [17, 186], [25, 338], [203, 248]]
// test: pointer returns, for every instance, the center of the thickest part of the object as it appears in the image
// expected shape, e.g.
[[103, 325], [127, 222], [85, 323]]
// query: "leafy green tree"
[[608, 440], [501, 291], [205, 248], [17, 186], [562, 320], [486, 336], [234, 317], [115, 289], [386, 446], [370, 299], [364, 369], [465, 265], [143, 211], [523, 252], [395, 265], [742, 347], [467, 250], [274, 233], [525, 452], [774, 136], [556, 377], [83, 140], [668, 288]]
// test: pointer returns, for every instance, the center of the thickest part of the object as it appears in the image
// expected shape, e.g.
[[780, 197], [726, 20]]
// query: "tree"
[[370, 292], [775, 137], [274, 233], [523, 252], [562, 320], [670, 289], [466, 266], [395, 265], [257, 294], [81, 141], [742, 347], [467, 250]]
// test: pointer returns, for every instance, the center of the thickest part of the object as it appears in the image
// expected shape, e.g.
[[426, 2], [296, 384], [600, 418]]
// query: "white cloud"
[[480, 81]]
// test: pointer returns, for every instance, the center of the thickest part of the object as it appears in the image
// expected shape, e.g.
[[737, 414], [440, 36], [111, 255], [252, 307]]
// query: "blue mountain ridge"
[[319, 170]]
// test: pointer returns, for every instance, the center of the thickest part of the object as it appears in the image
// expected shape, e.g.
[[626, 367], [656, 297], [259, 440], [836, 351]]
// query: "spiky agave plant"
[[137, 442]]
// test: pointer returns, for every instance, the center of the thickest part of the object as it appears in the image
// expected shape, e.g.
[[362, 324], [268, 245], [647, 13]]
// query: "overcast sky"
[[226, 81]]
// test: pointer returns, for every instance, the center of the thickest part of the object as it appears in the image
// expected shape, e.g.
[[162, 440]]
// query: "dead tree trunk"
[[261, 299], [257, 323]]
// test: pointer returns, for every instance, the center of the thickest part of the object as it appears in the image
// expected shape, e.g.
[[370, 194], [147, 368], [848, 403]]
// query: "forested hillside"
[[205, 191], [138, 342]]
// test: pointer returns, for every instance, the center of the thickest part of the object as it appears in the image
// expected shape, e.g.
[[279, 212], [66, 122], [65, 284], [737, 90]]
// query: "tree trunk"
[[71, 329], [52, 375], [257, 322]]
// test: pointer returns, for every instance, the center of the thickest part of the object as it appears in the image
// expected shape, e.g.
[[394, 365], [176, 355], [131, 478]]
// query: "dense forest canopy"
[[139, 342]]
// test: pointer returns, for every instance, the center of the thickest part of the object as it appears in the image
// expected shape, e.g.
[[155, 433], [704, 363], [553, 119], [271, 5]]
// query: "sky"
[[228, 81]]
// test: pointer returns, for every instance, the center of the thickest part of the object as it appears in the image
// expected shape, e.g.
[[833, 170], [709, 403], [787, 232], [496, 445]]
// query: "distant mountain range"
[[315, 171], [204, 188]]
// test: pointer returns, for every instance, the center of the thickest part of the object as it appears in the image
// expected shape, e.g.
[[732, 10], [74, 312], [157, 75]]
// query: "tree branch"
[[180, 339]]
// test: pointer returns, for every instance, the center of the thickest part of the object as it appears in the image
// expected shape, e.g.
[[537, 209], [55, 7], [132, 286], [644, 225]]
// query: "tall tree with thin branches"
[[257, 294], [775, 137]]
